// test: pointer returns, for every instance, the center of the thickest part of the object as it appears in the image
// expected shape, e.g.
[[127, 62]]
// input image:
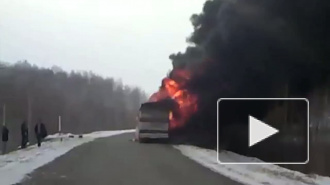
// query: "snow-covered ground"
[[16, 165], [249, 174]]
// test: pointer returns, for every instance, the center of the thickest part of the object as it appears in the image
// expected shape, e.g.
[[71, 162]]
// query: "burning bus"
[[167, 109], [154, 121]]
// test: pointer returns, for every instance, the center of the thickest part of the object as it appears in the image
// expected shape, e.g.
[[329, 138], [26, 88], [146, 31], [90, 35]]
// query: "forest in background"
[[85, 101]]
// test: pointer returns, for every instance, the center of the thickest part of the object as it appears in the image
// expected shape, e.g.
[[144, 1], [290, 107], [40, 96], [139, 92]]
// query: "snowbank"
[[15, 165], [249, 174]]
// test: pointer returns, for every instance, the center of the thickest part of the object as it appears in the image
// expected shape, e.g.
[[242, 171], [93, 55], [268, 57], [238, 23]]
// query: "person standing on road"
[[24, 134], [37, 130], [5, 136], [40, 131]]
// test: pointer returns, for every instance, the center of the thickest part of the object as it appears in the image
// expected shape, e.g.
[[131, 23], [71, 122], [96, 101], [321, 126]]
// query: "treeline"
[[85, 101]]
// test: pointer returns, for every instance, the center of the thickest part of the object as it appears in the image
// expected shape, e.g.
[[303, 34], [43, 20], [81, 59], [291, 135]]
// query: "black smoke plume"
[[253, 48]]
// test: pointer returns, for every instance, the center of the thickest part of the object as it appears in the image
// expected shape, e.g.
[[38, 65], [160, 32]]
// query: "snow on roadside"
[[16, 165], [249, 174]]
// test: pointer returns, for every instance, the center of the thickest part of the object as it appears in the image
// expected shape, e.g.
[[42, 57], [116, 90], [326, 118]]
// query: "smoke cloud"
[[254, 48]]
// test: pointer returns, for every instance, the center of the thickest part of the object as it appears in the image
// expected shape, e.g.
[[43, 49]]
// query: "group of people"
[[39, 130]]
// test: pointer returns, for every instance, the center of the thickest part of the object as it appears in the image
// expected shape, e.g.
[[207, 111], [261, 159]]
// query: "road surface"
[[117, 160]]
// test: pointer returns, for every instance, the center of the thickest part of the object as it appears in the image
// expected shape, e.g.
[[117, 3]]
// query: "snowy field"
[[16, 165], [249, 174]]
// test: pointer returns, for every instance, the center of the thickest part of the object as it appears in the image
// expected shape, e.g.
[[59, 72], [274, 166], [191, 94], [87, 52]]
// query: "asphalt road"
[[117, 160]]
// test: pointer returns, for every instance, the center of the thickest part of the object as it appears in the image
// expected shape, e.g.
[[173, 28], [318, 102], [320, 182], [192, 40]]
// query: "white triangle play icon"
[[259, 131]]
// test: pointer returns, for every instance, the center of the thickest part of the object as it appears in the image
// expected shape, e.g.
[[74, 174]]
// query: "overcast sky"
[[127, 39]]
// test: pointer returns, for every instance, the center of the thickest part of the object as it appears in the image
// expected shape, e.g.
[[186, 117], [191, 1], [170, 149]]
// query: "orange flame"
[[174, 88]]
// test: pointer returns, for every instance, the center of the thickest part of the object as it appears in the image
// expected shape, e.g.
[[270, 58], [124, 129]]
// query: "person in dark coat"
[[37, 131], [24, 134], [40, 131], [5, 137]]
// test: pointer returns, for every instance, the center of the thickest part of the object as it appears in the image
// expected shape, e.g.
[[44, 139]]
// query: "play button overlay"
[[263, 130], [258, 131]]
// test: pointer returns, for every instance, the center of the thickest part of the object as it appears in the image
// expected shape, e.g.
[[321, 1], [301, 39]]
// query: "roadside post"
[[60, 127]]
